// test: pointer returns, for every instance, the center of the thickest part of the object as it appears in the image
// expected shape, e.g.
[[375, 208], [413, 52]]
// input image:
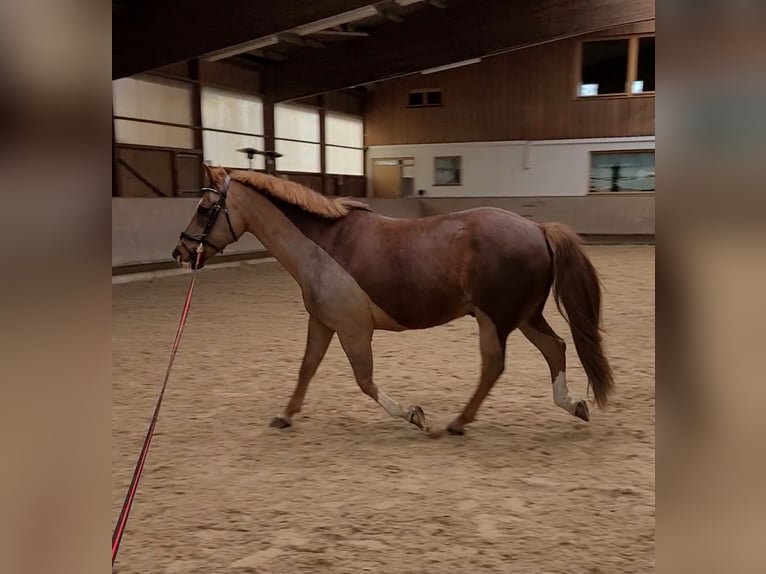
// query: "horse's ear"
[[209, 174], [215, 175]]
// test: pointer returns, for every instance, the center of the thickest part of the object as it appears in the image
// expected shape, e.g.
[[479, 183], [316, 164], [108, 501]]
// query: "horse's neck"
[[278, 233]]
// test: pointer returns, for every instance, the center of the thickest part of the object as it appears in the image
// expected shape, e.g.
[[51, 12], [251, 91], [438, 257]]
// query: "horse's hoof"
[[279, 423], [417, 417], [456, 430], [582, 411]]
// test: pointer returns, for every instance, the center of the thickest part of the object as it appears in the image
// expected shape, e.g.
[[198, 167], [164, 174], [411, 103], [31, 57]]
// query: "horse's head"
[[213, 225]]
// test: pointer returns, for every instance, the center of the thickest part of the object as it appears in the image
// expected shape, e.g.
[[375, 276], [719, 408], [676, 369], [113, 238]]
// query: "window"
[[224, 112], [433, 98], [644, 81], [415, 99], [622, 171], [447, 171], [617, 67], [344, 139], [604, 67], [424, 99], [145, 110], [297, 138]]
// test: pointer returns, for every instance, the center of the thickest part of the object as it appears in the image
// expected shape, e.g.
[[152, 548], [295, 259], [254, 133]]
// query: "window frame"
[[631, 193], [459, 159], [633, 42]]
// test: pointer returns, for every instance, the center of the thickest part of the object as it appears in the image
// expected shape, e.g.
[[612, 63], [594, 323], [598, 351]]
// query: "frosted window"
[[298, 156], [231, 111], [296, 122], [163, 100], [344, 130], [140, 133], [347, 131], [226, 110], [220, 149], [159, 100], [344, 160]]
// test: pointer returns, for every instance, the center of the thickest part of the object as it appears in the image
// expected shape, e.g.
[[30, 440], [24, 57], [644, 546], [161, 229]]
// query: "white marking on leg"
[[391, 406], [561, 394]]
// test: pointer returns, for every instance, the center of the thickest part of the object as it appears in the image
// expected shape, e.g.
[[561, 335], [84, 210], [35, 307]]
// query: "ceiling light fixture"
[[242, 48], [451, 66], [337, 20]]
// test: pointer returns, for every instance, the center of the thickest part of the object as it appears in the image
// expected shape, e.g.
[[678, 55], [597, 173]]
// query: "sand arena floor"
[[528, 489]]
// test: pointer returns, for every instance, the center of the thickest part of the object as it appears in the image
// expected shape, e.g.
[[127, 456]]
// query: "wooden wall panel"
[[344, 102], [179, 70], [230, 75], [346, 185], [153, 165], [523, 95]]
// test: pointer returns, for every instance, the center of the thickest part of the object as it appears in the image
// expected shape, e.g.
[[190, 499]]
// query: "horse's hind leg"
[[492, 348], [553, 348], [317, 341], [358, 348]]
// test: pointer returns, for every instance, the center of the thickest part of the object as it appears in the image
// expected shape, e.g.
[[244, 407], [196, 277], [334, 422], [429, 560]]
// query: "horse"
[[360, 271]]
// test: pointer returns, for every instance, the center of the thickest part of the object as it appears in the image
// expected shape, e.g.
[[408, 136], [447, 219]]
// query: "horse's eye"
[[203, 209]]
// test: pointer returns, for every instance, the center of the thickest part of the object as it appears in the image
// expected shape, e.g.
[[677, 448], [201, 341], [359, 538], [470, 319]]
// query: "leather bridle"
[[212, 216]]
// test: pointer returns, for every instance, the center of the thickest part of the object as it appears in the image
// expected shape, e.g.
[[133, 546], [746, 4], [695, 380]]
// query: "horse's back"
[[429, 270], [482, 236]]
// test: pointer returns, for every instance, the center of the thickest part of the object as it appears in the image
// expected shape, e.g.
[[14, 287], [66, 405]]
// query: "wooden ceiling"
[[147, 34], [381, 40]]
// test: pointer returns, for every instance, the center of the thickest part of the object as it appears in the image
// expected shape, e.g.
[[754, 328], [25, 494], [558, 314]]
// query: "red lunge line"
[[123, 519]]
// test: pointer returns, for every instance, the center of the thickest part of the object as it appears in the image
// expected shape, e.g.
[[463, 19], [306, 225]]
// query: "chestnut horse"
[[360, 271]]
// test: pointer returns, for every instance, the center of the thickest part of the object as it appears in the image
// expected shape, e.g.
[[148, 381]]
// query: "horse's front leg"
[[317, 341], [358, 347]]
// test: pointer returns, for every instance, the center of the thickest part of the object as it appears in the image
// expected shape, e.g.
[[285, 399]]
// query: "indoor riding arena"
[[446, 125]]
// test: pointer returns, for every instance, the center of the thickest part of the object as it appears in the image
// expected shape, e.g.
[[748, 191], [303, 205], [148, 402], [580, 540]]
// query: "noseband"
[[215, 210]]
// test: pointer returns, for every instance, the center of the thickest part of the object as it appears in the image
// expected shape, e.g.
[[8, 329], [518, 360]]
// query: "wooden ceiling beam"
[[463, 30]]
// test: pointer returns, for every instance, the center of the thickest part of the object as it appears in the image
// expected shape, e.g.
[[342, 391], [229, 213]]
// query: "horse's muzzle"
[[184, 257], [188, 258]]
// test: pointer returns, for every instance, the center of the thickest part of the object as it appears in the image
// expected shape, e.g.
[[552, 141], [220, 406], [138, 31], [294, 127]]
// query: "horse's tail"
[[576, 286]]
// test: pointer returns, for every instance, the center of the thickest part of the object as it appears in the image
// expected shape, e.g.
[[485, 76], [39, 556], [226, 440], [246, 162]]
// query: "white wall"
[[497, 169]]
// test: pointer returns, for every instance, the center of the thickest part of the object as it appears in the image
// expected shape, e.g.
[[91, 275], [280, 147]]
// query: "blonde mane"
[[295, 194]]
